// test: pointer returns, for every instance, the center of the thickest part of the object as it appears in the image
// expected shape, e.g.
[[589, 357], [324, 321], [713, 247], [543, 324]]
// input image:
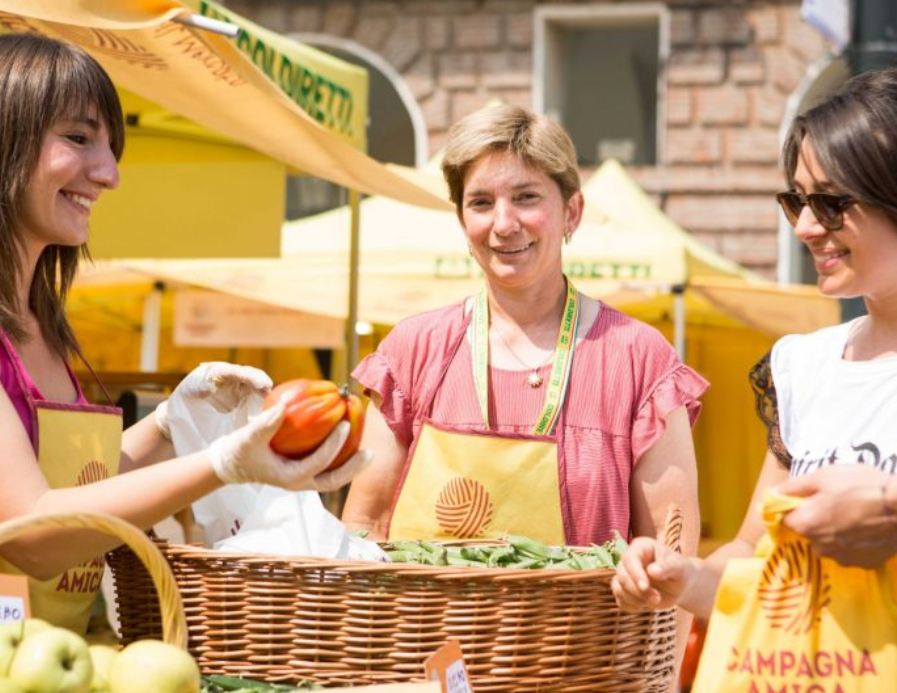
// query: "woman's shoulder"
[[615, 327], [811, 348], [427, 331], [432, 321]]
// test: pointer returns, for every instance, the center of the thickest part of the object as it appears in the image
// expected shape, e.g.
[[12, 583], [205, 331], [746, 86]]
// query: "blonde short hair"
[[540, 143]]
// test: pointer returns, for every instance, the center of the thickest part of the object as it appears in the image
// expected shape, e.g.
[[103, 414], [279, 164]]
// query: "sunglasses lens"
[[791, 206], [827, 209]]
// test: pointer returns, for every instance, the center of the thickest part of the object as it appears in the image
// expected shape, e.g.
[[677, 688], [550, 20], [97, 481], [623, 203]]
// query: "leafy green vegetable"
[[516, 552], [216, 683]]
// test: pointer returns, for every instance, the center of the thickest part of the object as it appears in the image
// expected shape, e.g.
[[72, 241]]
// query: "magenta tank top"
[[14, 379]]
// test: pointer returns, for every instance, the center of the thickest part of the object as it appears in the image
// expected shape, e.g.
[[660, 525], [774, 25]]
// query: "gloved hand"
[[245, 456], [223, 385]]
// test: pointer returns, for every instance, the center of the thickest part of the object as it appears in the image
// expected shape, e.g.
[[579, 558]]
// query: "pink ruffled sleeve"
[[375, 374], [670, 385]]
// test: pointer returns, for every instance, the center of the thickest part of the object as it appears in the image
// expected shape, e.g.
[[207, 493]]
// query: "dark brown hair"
[[854, 138], [540, 143], [41, 81]]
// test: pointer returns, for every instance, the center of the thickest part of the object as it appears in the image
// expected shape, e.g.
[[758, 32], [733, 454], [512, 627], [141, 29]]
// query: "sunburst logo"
[[91, 473], [794, 588], [463, 508]]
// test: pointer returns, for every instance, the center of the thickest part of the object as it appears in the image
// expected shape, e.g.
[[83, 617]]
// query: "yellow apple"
[[152, 666], [7, 686], [54, 660], [12, 634], [102, 657]]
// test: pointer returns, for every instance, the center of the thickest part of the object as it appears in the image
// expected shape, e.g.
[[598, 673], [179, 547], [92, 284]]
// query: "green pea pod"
[[463, 562], [501, 556], [535, 548], [400, 556], [529, 546], [474, 554], [562, 565], [620, 545], [587, 561], [529, 563], [604, 557]]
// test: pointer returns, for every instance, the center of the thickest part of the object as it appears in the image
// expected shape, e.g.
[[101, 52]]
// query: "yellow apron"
[[76, 444], [460, 483]]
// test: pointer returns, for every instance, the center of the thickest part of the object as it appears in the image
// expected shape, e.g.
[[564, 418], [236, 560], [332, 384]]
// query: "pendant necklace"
[[533, 378]]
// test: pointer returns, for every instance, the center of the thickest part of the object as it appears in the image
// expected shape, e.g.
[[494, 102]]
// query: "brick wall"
[[732, 66]]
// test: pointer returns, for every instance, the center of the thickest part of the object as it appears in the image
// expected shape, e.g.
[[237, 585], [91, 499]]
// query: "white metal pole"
[[351, 335], [679, 320], [152, 325]]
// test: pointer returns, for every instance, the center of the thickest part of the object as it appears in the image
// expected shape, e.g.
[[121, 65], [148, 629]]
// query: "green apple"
[[54, 660], [152, 666], [12, 634], [102, 656]]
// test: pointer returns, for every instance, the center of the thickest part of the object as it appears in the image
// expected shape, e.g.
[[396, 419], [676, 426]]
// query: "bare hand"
[[651, 576], [843, 514]]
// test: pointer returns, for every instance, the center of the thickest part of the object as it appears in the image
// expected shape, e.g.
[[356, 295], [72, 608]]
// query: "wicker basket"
[[342, 623], [157, 575]]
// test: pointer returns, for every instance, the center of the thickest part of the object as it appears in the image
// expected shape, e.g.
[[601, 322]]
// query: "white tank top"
[[833, 411]]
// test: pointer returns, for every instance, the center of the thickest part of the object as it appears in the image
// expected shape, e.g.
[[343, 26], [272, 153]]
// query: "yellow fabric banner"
[[332, 91], [791, 621], [207, 78]]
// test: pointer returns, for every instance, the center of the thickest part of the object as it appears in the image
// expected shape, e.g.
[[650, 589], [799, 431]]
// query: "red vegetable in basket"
[[314, 408]]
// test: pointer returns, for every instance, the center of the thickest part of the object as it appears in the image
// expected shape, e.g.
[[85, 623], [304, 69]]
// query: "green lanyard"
[[561, 363]]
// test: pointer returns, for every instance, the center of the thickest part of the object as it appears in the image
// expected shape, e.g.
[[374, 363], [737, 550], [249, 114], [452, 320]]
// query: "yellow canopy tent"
[[152, 48]]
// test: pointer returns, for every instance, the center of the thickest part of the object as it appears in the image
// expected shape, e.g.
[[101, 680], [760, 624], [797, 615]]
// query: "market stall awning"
[[188, 77]]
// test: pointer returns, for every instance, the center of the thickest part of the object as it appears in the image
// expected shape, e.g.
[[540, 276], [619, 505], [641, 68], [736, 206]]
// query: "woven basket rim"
[[174, 620]]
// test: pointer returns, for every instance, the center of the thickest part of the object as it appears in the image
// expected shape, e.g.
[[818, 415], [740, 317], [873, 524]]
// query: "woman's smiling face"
[[76, 164], [515, 219], [860, 258]]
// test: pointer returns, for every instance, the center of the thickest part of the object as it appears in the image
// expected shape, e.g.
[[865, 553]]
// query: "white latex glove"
[[245, 456], [222, 384]]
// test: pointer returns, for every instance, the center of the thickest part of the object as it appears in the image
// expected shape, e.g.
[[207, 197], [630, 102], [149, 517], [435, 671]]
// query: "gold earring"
[[470, 250], [568, 237]]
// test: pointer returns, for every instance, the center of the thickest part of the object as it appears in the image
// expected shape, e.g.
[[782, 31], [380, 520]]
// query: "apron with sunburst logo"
[[466, 483], [76, 444]]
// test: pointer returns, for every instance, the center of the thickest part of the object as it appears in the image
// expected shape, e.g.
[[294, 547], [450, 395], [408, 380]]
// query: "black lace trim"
[[766, 404]]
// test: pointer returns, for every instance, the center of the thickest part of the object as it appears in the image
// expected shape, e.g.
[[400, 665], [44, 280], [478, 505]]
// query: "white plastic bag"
[[195, 423], [254, 517], [297, 524]]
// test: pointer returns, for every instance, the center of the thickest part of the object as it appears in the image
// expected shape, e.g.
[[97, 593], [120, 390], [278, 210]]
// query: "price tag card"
[[447, 666], [14, 604]]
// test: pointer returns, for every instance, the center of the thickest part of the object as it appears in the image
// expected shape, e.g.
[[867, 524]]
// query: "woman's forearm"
[[142, 497]]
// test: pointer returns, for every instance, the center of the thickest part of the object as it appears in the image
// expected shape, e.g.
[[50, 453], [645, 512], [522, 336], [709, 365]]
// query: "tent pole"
[[679, 320], [352, 311], [152, 325]]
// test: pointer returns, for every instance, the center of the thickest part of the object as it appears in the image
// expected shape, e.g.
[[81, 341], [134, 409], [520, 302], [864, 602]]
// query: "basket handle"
[[671, 535], [174, 622]]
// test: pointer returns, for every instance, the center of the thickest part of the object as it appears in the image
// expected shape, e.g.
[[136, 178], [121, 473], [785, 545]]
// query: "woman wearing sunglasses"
[[829, 398]]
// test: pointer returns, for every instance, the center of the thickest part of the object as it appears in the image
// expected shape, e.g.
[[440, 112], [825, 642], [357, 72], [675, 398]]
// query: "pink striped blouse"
[[625, 379]]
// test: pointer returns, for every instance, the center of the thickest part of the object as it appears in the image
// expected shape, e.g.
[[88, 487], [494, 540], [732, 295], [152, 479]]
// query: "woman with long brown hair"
[[61, 135]]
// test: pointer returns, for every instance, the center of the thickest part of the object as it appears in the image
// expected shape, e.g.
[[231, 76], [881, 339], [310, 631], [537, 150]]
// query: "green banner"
[[330, 90]]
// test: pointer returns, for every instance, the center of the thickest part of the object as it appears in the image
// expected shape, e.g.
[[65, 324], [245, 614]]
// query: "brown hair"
[[854, 138], [41, 81], [540, 143]]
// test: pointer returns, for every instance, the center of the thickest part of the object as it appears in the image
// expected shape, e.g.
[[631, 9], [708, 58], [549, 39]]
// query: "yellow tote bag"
[[790, 621]]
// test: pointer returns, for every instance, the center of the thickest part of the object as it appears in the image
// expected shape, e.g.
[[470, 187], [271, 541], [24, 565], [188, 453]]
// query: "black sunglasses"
[[828, 208]]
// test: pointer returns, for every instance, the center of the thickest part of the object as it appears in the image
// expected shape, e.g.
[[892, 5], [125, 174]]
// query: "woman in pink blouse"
[[530, 409]]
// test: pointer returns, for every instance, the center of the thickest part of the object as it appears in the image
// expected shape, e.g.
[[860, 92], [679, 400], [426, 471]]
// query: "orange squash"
[[313, 409]]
